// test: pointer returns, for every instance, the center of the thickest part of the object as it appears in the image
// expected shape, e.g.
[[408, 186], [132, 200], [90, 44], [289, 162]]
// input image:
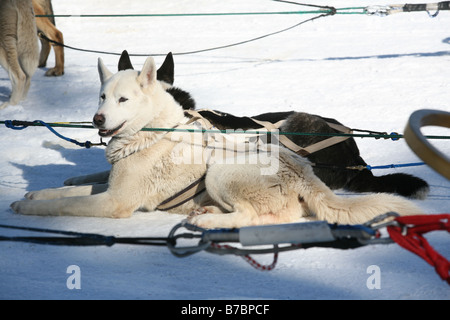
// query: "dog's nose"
[[99, 120]]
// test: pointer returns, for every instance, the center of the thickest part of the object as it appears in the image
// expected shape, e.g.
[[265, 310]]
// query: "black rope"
[[71, 238], [444, 5], [81, 239], [330, 11]]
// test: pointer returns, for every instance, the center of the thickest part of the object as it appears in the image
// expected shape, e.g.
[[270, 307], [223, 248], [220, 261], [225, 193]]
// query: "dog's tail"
[[400, 183], [358, 209], [326, 205]]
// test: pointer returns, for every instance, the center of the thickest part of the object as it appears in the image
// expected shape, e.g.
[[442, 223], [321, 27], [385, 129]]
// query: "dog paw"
[[34, 195], [28, 207], [194, 216], [19, 206], [29, 195], [46, 194], [54, 72], [4, 105], [195, 220], [206, 217], [39, 195], [204, 220], [15, 206], [197, 212]]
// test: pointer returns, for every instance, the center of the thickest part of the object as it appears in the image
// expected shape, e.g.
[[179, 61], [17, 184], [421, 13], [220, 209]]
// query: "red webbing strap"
[[413, 240]]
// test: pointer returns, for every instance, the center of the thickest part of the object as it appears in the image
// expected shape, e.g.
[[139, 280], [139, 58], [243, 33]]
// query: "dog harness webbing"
[[288, 143], [198, 186], [188, 193]]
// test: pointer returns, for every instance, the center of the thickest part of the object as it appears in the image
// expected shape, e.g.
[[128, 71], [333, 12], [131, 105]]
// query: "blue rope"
[[395, 136], [23, 125], [9, 124], [389, 166]]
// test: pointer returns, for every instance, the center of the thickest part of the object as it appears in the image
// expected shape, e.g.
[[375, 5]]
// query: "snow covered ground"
[[369, 72]]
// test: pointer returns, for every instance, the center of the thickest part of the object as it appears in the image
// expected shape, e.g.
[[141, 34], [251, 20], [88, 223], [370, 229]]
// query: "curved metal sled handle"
[[419, 144]]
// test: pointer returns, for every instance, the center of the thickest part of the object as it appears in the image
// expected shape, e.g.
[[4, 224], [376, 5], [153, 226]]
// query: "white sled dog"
[[19, 49], [144, 171]]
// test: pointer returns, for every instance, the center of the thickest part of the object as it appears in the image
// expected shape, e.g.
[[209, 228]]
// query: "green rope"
[[350, 10], [177, 14], [83, 125]]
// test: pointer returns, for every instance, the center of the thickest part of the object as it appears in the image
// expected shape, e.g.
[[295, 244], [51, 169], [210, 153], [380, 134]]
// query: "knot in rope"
[[12, 124]]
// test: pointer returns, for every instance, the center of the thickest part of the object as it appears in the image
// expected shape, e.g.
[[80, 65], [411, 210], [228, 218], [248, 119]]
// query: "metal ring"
[[419, 144]]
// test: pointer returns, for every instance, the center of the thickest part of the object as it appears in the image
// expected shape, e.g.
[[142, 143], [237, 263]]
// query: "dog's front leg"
[[99, 177], [65, 192], [100, 205]]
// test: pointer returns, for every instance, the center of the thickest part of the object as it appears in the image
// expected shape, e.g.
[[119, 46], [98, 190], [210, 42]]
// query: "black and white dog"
[[331, 163]]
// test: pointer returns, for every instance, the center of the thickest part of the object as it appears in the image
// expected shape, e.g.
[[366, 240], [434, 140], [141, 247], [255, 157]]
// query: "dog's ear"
[[103, 72], [182, 97], [124, 61], [166, 71], [147, 76]]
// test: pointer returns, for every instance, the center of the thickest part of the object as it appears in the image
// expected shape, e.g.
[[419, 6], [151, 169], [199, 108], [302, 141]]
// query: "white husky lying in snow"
[[144, 171]]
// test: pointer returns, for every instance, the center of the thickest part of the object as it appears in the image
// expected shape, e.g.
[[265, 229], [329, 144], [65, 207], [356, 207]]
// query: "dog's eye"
[[103, 97], [122, 99]]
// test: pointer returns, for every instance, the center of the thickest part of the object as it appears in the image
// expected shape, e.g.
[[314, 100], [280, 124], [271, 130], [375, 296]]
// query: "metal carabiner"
[[188, 250], [376, 224]]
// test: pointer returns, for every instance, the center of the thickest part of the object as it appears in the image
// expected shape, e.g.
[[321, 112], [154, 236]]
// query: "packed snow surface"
[[368, 72]]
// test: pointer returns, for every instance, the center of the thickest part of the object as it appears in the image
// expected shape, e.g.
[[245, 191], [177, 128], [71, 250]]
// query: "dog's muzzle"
[[99, 122]]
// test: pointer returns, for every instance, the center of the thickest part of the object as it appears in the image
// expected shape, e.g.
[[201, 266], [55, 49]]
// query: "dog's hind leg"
[[223, 184], [43, 7], [17, 76], [251, 197], [45, 52], [27, 44], [19, 45], [44, 25]]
